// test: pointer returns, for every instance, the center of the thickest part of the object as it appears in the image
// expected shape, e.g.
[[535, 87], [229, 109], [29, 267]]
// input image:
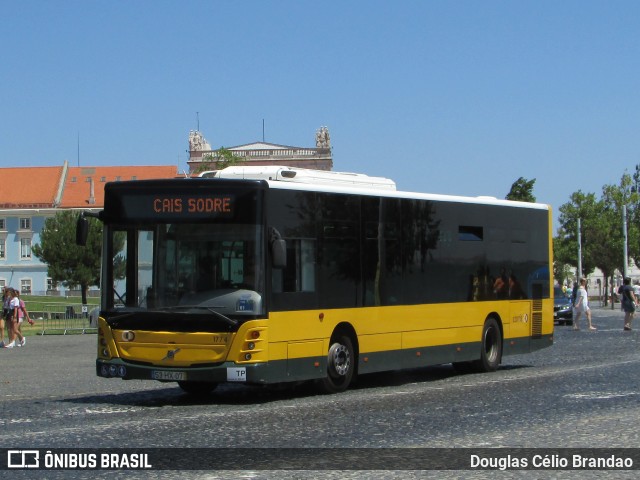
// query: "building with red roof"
[[30, 195]]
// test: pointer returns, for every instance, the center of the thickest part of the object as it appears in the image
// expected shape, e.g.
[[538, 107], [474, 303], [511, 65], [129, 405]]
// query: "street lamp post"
[[579, 273], [624, 237]]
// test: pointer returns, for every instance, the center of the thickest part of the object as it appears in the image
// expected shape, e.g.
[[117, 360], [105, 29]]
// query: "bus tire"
[[341, 363], [491, 347], [197, 388]]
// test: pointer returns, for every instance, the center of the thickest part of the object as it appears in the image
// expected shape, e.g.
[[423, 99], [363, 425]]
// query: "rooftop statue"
[[322, 138], [197, 142]]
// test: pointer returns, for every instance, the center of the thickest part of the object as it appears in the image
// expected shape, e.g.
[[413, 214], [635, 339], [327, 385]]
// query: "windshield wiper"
[[219, 315]]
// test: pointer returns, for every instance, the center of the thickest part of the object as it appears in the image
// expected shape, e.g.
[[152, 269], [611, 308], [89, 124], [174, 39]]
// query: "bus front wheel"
[[340, 365]]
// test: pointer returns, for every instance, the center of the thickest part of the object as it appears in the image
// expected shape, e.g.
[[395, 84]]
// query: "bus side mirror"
[[82, 226], [82, 230], [278, 249]]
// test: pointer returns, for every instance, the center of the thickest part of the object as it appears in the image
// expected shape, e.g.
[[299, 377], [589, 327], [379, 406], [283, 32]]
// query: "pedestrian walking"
[[629, 303], [22, 314], [14, 331], [581, 305], [6, 308]]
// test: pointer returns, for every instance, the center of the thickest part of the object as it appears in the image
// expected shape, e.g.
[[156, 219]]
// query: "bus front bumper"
[[255, 373]]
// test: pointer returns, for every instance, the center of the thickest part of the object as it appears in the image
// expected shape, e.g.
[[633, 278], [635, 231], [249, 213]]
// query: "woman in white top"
[[13, 322], [582, 306]]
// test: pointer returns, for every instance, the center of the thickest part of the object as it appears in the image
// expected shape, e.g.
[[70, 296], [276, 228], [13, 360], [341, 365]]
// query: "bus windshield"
[[187, 268]]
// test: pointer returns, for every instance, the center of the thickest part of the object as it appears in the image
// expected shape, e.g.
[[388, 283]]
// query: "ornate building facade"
[[203, 157]]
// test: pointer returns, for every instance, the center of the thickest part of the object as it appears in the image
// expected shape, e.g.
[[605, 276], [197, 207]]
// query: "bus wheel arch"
[[342, 359]]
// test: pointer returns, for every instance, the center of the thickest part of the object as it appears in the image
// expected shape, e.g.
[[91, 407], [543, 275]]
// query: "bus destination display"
[[222, 205], [166, 205]]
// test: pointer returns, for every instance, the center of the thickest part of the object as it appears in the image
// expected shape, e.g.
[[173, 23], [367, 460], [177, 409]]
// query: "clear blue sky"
[[454, 97]]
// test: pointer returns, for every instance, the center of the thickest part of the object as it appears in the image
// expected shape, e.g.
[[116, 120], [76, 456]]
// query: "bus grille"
[[536, 325], [536, 306]]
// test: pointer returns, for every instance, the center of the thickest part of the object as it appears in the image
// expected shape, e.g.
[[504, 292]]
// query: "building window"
[[51, 286], [103, 179], [74, 179], [3, 224], [118, 178], [133, 177], [25, 286], [3, 283], [3, 245], [25, 223], [25, 248], [88, 179]]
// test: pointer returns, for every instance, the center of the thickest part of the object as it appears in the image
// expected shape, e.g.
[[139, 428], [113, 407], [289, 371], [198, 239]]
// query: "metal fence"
[[66, 318]]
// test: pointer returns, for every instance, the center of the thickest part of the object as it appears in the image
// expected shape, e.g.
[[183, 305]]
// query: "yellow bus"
[[263, 275]]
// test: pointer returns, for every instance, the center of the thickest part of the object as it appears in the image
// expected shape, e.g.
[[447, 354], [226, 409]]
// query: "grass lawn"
[[36, 303]]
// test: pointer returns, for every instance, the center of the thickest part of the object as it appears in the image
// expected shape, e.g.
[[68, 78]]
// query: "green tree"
[[616, 197], [562, 272], [522, 190], [601, 230], [221, 158], [586, 208], [602, 235], [67, 263]]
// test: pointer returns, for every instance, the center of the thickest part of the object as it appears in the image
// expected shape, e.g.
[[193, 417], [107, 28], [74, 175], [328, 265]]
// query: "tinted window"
[[388, 251]]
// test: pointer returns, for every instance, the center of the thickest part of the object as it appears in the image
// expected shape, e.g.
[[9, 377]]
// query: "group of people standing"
[[14, 313], [581, 304]]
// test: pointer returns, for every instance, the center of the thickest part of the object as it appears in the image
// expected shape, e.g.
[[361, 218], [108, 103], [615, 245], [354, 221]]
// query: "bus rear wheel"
[[340, 365], [491, 348], [197, 388]]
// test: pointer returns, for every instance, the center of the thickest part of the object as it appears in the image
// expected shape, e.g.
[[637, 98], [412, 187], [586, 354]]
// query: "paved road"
[[582, 392]]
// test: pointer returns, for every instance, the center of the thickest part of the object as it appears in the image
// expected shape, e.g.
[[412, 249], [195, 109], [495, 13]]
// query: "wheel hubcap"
[[339, 359]]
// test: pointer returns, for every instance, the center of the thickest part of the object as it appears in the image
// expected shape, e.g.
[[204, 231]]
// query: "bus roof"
[[302, 175], [289, 178]]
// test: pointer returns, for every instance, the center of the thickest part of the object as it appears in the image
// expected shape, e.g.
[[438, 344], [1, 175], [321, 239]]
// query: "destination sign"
[[166, 206], [187, 205]]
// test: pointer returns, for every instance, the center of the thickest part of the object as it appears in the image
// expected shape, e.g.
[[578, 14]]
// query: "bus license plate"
[[173, 376]]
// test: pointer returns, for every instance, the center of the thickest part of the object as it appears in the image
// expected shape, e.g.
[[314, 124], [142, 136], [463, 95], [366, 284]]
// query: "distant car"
[[562, 308]]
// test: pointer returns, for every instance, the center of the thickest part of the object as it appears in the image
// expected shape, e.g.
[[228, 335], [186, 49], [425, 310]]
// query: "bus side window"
[[300, 273]]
